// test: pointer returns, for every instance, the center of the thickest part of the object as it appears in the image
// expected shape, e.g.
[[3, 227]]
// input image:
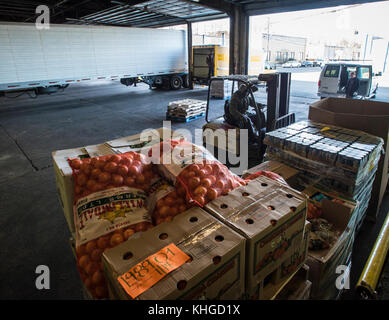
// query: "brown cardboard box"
[[289, 174], [271, 216], [63, 172], [312, 191], [298, 288], [369, 116], [86, 294], [298, 257], [323, 263], [143, 140], [64, 178], [268, 289], [216, 271]]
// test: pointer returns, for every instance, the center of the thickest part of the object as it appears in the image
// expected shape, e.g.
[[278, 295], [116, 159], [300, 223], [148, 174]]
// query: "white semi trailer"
[[68, 54]]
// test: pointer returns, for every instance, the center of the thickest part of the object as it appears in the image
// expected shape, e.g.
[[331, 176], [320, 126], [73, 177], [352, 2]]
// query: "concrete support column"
[[239, 39]]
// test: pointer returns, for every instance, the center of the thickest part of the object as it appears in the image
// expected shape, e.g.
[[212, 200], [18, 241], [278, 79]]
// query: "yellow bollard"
[[371, 273]]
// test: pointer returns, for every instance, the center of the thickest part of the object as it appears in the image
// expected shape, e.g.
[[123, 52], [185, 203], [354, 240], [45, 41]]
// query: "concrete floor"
[[33, 230]]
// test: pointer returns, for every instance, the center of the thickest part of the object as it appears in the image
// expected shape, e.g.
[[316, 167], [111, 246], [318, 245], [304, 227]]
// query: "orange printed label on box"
[[152, 269]]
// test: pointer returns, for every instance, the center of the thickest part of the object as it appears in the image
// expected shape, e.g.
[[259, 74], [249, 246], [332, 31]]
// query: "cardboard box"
[[317, 195], [298, 288], [293, 263], [323, 263], [222, 136], [63, 172], [288, 173], [271, 216], [64, 178], [276, 281], [216, 271], [365, 115], [85, 293], [143, 140], [330, 291]]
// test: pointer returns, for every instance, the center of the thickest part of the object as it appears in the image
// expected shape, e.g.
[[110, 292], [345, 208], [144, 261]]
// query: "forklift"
[[266, 117]]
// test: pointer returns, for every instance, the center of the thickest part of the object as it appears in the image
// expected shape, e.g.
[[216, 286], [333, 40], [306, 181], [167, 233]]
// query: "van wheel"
[[175, 82]]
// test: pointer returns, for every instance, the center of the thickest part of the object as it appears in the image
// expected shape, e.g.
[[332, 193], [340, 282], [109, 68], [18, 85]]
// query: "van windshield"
[[332, 72]]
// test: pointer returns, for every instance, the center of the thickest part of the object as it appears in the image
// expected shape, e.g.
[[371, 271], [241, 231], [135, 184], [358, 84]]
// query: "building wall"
[[282, 48]]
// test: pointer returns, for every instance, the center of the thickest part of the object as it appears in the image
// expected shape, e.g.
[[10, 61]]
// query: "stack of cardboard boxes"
[[336, 170], [365, 115], [323, 264], [333, 158], [336, 159], [247, 244]]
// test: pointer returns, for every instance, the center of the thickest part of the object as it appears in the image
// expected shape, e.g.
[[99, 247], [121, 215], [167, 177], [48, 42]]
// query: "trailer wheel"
[[175, 82], [185, 82]]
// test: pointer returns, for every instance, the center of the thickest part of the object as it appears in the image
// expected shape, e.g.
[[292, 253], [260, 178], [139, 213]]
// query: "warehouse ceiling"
[[151, 13]]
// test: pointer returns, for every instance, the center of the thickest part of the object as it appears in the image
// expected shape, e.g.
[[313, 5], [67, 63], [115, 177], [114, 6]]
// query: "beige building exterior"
[[281, 48]]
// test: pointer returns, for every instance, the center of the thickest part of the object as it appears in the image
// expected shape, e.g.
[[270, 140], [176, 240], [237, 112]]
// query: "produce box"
[[298, 288], [289, 174], [323, 263], [271, 216], [214, 268], [298, 257], [368, 116], [330, 291], [317, 195], [86, 294], [222, 135], [63, 172], [275, 282], [64, 178], [143, 140]]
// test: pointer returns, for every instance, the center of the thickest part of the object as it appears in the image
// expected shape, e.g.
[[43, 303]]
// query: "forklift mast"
[[278, 93]]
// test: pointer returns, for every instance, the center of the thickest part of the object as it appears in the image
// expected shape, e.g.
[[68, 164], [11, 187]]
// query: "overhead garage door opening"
[[303, 42], [210, 41]]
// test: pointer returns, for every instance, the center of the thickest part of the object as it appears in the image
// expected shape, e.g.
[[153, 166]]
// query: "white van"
[[334, 77]]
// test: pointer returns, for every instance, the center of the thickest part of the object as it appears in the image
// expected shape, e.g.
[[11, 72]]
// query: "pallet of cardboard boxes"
[[251, 250], [272, 218], [366, 115], [340, 212], [329, 157]]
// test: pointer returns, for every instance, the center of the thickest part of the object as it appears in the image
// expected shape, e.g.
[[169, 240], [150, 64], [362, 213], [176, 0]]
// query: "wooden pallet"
[[186, 108], [186, 119], [180, 114], [187, 105]]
